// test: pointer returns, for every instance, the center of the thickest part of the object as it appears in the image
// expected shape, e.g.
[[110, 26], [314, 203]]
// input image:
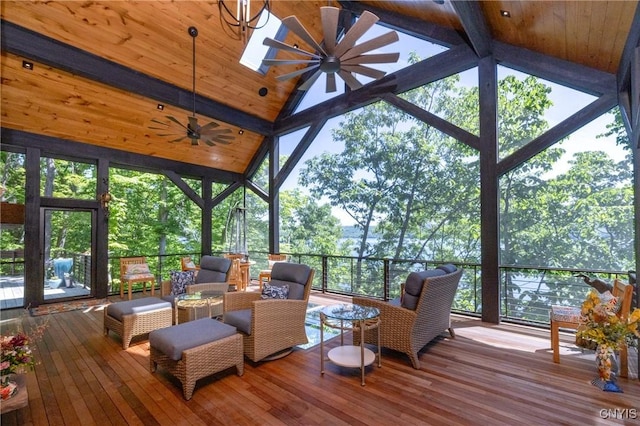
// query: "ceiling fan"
[[332, 57], [209, 133]]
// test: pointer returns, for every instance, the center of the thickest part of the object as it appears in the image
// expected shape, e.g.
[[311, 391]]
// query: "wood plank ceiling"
[[150, 37]]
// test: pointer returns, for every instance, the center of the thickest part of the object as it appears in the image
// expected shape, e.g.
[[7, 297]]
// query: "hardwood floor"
[[498, 375]]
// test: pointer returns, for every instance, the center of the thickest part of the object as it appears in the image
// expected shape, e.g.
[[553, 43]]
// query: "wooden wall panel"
[[55, 103], [590, 33], [151, 37]]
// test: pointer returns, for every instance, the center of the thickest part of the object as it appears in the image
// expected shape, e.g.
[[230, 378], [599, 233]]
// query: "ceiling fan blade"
[[193, 123], [209, 126], [362, 25], [296, 73], [153, 120], [351, 81], [269, 62], [276, 44], [167, 134], [194, 141], [175, 120], [329, 16], [376, 58], [331, 83], [361, 69], [214, 141], [374, 43], [307, 84], [215, 132], [180, 139], [294, 25]]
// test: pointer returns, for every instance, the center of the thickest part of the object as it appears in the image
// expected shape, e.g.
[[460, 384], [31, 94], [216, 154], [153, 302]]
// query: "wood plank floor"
[[488, 374]]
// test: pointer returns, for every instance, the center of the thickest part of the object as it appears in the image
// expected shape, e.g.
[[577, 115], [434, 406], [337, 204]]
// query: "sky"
[[566, 101]]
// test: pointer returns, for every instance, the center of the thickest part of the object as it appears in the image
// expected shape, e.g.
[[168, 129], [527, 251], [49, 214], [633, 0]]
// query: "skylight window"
[[268, 26]]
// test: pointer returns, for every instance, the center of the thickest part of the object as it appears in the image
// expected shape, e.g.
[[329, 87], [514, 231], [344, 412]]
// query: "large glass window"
[[67, 179], [12, 185], [570, 206], [150, 216]]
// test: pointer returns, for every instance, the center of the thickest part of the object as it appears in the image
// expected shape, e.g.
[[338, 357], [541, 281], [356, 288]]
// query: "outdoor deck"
[[488, 374]]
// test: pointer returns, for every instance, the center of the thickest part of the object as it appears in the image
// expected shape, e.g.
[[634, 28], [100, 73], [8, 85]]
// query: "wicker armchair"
[[406, 330], [265, 274], [271, 327], [213, 275]]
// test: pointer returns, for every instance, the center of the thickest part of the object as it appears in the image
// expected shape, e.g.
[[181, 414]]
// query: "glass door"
[[68, 252]]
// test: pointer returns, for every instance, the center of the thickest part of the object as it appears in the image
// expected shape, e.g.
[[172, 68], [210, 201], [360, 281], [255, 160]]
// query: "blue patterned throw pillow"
[[180, 280], [275, 291]]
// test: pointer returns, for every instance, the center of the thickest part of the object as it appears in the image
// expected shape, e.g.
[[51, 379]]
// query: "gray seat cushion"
[[172, 341], [413, 286], [213, 270], [448, 268], [119, 309], [240, 319], [295, 275], [170, 298]]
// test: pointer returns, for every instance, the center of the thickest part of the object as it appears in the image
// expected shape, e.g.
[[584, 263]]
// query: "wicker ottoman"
[[196, 349], [137, 317]]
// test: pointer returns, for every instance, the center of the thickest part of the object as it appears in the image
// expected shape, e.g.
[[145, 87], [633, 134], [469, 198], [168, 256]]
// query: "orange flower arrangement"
[[600, 323]]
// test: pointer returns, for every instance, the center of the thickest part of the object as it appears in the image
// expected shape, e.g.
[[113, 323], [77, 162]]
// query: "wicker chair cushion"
[[275, 292], [119, 309], [213, 270], [413, 287], [180, 280], [295, 275], [172, 341], [240, 319]]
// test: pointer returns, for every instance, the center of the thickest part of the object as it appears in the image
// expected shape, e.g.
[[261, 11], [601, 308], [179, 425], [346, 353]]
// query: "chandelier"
[[239, 23]]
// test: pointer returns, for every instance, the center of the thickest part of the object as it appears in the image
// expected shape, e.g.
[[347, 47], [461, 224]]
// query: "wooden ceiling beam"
[[24, 42], [184, 187], [68, 149], [298, 152], [475, 26], [581, 118], [408, 25], [633, 40], [433, 120], [569, 74], [442, 65]]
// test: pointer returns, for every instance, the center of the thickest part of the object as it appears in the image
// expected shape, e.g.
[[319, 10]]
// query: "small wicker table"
[[358, 319], [191, 306]]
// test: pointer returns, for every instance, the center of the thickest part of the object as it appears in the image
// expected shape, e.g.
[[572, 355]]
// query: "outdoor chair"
[[212, 277], [421, 314], [235, 277], [135, 270], [270, 326], [265, 274], [568, 317], [187, 264]]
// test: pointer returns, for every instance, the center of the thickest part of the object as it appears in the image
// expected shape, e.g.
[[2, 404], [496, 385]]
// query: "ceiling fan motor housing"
[[330, 64]]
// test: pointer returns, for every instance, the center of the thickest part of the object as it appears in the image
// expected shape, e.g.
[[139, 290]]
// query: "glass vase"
[[8, 387], [607, 363]]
